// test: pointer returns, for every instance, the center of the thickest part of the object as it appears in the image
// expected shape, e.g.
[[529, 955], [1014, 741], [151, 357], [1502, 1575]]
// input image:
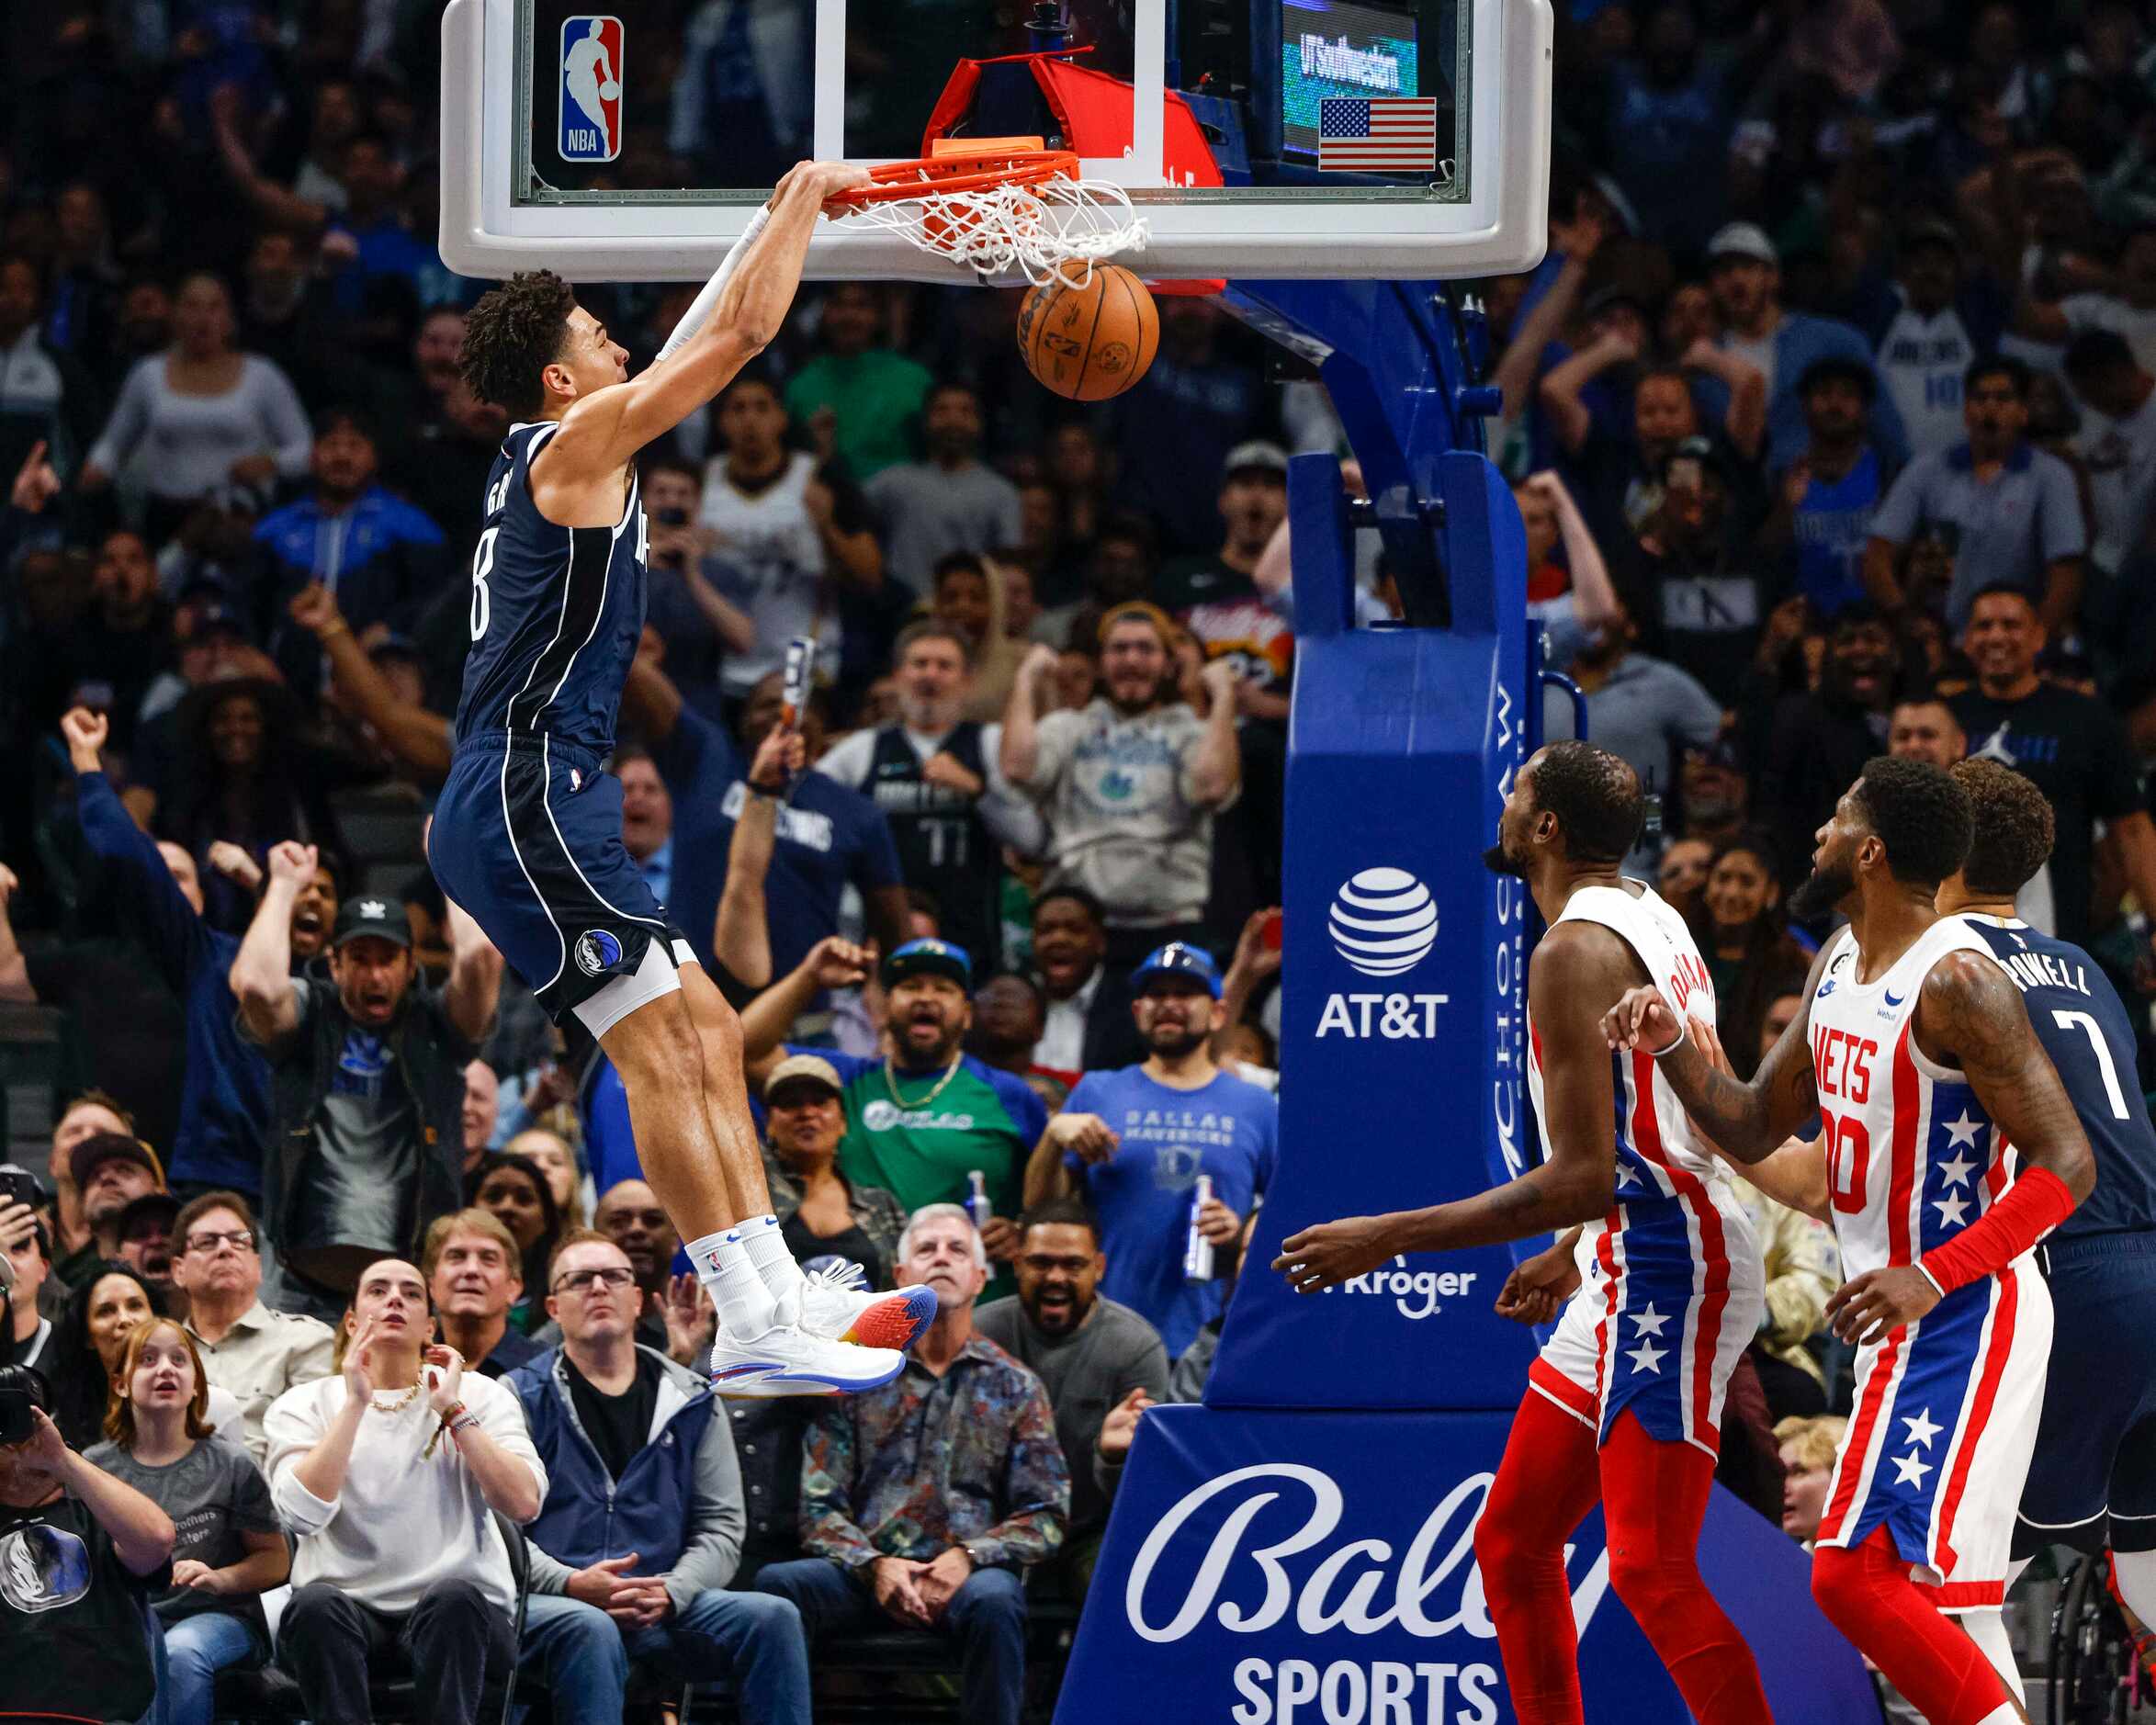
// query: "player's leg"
[[2133, 1514], [1866, 1592], [822, 1305], [1653, 1501], [1987, 1628], [1545, 1485]]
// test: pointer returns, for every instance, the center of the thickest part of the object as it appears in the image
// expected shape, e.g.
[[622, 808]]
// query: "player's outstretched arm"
[[602, 433], [1579, 968], [1747, 1122]]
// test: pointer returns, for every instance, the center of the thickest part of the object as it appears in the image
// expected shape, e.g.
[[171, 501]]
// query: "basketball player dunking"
[[1914, 1050], [1625, 1403], [526, 836]]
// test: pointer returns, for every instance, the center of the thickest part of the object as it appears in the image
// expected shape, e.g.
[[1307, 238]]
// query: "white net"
[[1033, 229]]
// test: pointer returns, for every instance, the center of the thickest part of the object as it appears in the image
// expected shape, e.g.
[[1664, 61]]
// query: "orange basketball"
[[1088, 338]]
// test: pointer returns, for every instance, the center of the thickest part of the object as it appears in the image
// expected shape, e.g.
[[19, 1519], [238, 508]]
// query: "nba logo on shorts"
[[591, 89]]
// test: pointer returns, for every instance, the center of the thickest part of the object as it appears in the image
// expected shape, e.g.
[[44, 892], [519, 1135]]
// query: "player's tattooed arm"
[[1747, 1122], [1970, 1015]]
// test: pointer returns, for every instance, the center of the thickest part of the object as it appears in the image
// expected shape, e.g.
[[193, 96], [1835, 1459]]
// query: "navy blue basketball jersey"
[[556, 612], [2085, 1027]]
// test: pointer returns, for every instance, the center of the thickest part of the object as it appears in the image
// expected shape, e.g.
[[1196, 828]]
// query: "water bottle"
[[1196, 1248], [976, 1201]]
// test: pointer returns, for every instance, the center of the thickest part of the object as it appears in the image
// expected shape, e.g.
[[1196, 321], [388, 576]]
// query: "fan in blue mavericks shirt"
[[1134, 1142], [2092, 1478]]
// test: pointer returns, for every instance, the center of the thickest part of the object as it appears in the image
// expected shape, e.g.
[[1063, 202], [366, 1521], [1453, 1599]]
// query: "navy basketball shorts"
[[2092, 1478], [526, 839]]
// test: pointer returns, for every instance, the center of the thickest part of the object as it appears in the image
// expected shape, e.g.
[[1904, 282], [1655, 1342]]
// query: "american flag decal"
[[1378, 134]]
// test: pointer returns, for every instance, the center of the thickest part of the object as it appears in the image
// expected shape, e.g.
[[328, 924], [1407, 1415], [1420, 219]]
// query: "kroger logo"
[[1383, 921]]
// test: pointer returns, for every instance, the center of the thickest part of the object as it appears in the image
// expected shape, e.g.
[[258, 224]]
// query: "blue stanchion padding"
[[1318, 1569]]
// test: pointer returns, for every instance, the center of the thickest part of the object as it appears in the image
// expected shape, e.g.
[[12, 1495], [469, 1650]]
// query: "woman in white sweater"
[[387, 1474], [202, 416]]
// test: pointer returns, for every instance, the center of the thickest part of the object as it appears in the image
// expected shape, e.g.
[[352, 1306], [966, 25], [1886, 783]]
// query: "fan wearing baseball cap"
[[1134, 1142], [922, 1120]]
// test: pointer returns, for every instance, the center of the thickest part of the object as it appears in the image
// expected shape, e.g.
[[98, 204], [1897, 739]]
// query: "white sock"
[[746, 1308], [1988, 1630], [2137, 1581], [767, 1251]]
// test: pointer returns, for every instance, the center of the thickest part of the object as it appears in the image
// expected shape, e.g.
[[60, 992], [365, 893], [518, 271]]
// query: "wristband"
[[2037, 1203], [1682, 1032]]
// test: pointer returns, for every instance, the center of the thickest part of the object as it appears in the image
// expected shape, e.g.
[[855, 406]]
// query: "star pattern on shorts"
[[1963, 1131], [1646, 1357], [1953, 1211], [1909, 1469], [1956, 1173], [1649, 1320], [1626, 1175], [1921, 1429]]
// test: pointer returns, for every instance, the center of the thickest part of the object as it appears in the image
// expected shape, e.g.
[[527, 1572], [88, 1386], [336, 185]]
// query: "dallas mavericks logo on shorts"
[[591, 89], [597, 951]]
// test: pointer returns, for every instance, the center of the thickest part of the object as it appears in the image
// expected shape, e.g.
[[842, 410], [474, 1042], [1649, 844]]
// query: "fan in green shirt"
[[872, 395], [920, 1122]]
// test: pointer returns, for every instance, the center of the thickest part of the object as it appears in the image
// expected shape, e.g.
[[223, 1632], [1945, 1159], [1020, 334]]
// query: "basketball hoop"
[[998, 210]]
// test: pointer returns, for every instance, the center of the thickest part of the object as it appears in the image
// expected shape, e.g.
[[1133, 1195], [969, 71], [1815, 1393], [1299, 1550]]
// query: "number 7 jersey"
[[1947, 1407]]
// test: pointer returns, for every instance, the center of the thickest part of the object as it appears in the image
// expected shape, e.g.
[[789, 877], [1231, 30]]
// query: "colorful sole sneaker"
[[837, 1304], [787, 1361]]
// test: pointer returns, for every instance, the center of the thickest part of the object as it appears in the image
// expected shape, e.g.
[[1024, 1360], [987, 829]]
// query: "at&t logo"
[[1384, 922]]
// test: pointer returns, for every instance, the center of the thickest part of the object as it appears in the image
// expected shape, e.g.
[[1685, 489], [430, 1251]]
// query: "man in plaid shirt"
[[924, 1502]]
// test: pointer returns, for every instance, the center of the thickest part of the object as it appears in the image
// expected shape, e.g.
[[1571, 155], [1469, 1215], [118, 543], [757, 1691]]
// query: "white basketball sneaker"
[[838, 1305], [786, 1360]]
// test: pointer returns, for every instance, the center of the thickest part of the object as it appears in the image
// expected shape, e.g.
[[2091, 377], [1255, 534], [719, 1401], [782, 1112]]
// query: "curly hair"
[[1595, 796], [1920, 815], [512, 335], [2014, 829]]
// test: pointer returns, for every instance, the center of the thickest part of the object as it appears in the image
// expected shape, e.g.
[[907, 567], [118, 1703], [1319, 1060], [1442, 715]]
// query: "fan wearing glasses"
[[254, 1353], [641, 1529]]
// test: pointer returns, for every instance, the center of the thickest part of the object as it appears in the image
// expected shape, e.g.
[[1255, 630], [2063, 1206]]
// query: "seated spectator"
[[701, 626], [938, 779], [1821, 740], [381, 558], [1136, 1141], [515, 1192], [969, 594], [629, 1213], [869, 395], [1087, 1024], [1924, 728], [550, 1152], [1091, 1353], [1129, 785], [471, 1263], [85, 1554], [1714, 797], [482, 1107], [386, 1473], [2005, 512], [828, 836], [1803, 1267], [1826, 497], [247, 1350], [949, 501], [821, 1213], [641, 1527], [1680, 873], [1214, 596], [934, 1539], [224, 1098], [88, 1343], [1927, 326], [230, 1548], [1749, 952], [1808, 1449], [369, 1081], [29, 1248], [201, 416], [145, 1247], [1008, 1013], [924, 1118], [110, 1170]]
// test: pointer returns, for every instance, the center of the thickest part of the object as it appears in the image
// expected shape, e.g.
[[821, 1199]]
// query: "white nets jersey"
[[1671, 1288], [1947, 1407]]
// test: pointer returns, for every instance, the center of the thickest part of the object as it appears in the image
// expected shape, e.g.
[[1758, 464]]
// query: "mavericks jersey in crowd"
[[556, 612], [942, 841]]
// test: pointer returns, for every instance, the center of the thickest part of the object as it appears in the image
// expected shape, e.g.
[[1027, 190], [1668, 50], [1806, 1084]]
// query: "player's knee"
[[1504, 1545], [658, 1045], [1652, 1583]]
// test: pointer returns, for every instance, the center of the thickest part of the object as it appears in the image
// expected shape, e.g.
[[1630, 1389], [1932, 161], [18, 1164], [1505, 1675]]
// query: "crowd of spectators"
[[1830, 419]]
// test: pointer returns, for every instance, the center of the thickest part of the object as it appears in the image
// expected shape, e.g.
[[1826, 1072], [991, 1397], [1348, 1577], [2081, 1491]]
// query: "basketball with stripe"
[[1089, 334]]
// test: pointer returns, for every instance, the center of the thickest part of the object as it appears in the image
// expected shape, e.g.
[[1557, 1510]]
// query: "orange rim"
[[928, 176]]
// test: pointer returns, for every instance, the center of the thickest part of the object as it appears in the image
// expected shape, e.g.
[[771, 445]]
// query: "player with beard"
[[1624, 1405], [1951, 1148], [1133, 1142], [920, 1120]]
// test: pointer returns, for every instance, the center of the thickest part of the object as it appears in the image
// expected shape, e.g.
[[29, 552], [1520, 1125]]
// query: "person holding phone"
[[79, 1553]]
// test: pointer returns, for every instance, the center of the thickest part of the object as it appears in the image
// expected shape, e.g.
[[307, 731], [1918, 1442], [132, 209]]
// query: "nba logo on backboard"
[[591, 89]]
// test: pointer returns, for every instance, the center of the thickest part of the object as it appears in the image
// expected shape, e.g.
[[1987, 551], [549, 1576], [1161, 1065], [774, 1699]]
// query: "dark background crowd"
[[1830, 419]]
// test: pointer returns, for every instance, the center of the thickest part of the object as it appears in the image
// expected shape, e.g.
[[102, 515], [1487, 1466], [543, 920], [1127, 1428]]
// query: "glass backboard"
[[1326, 138]]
